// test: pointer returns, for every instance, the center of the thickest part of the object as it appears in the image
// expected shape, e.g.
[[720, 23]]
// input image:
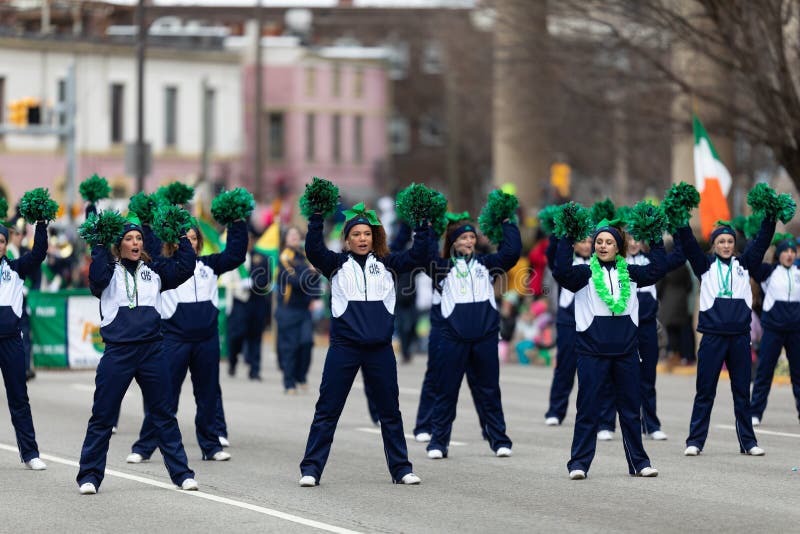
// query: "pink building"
[[325, 114]]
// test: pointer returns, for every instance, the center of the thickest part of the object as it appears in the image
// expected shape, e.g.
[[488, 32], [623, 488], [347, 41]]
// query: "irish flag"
[[712, 179]]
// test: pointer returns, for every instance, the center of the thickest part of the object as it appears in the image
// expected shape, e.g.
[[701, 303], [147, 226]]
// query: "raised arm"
[[234, 253], [568, 276], [552, 245], [177, 269], [762, 272], [401, 239], [30, 261], [647, 275], [754, 253], [152, 244], [323, 259], [418, 256], [101, 270], [508, 252], [692, 251]]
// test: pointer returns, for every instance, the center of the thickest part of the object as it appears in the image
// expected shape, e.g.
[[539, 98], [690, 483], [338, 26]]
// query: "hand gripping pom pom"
[[37, 205], [94, 188], [647, 222], [233, 205], [499, 207], [320, 196], [573, 221], [103, 229], [171, 222]]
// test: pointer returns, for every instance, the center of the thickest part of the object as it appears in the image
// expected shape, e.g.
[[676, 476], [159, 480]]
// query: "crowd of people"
[[596, 298]]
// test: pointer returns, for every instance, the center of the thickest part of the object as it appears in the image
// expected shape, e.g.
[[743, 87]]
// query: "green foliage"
[[233, 205], [320, 196], [499, 207], [94, 188], [573, 221], [103, 229], [37, 205]]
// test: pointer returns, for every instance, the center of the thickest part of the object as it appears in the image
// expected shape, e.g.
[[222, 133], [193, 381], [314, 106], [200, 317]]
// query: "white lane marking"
[[408, 436], [759, 431], [200, 495]]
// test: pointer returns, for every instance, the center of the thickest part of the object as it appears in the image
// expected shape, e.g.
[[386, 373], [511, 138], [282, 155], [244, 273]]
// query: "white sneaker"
[[756, 451], [36, 464], [410, 479], [136, 458], [605, 435], [756, 421], [435, 454], [691, 450], [504, 452], [88, 489], [189, 484], [224, 441], [658, 435], [221, 456], [648, 472], [422, 437], [577, 474], [552, 421], [308, 481], [113, 430]]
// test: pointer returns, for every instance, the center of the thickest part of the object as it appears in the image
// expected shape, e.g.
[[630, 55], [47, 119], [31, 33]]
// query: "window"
[[311, 81], [336, 81], [432, 60], [311, 137], [399, 135], [398, 61], [358, 83], [117, 103], [336, 139], [358, 139], [431, 131], [209, 105], [276, 133], [171, 117]]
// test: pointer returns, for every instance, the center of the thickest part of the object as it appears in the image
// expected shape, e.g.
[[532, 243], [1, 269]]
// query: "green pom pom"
[[499, 207], [547, 219], [320, 196], [439, 225], [417, 203], [37, 205], [762, 199], [170, 222], [103, 229], [604, 209], [622, 214], [753, 225], [785, 208], [573, 221], [176, 193], [144, 207], [678, 204], [94, 188], [232, 205], [647, 222], [3, 208], [782, 237], [739, 223]]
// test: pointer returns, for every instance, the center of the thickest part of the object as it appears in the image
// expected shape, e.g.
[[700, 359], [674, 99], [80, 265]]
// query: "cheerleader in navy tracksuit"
[[427, 397], [12, 356], [780, 319], [470, 331], [129, 285], [566, 359], [191, 342], [726, 299], [362, 322], [606, 320]]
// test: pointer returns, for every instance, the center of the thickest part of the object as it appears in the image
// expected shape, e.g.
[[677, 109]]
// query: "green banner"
[[48, 318]]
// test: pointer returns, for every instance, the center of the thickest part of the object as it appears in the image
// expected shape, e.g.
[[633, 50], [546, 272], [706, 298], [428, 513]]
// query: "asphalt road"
[[472, 491]]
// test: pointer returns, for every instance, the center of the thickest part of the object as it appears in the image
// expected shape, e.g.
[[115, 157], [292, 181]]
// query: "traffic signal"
[[34, 110], [560, 178], [18, 112]]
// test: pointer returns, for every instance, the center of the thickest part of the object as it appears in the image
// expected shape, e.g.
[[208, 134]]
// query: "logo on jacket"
[[203, 274], [797, 278], [146, 276], [739, 270], [374, 269], [6, 276]]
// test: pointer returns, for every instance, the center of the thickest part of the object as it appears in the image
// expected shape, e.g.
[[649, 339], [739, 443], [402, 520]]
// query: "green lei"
[[619, 305]]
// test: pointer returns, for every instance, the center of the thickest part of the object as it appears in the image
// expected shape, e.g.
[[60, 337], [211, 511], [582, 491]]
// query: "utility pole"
[[141, 38], [258, 188], [206, 135]]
